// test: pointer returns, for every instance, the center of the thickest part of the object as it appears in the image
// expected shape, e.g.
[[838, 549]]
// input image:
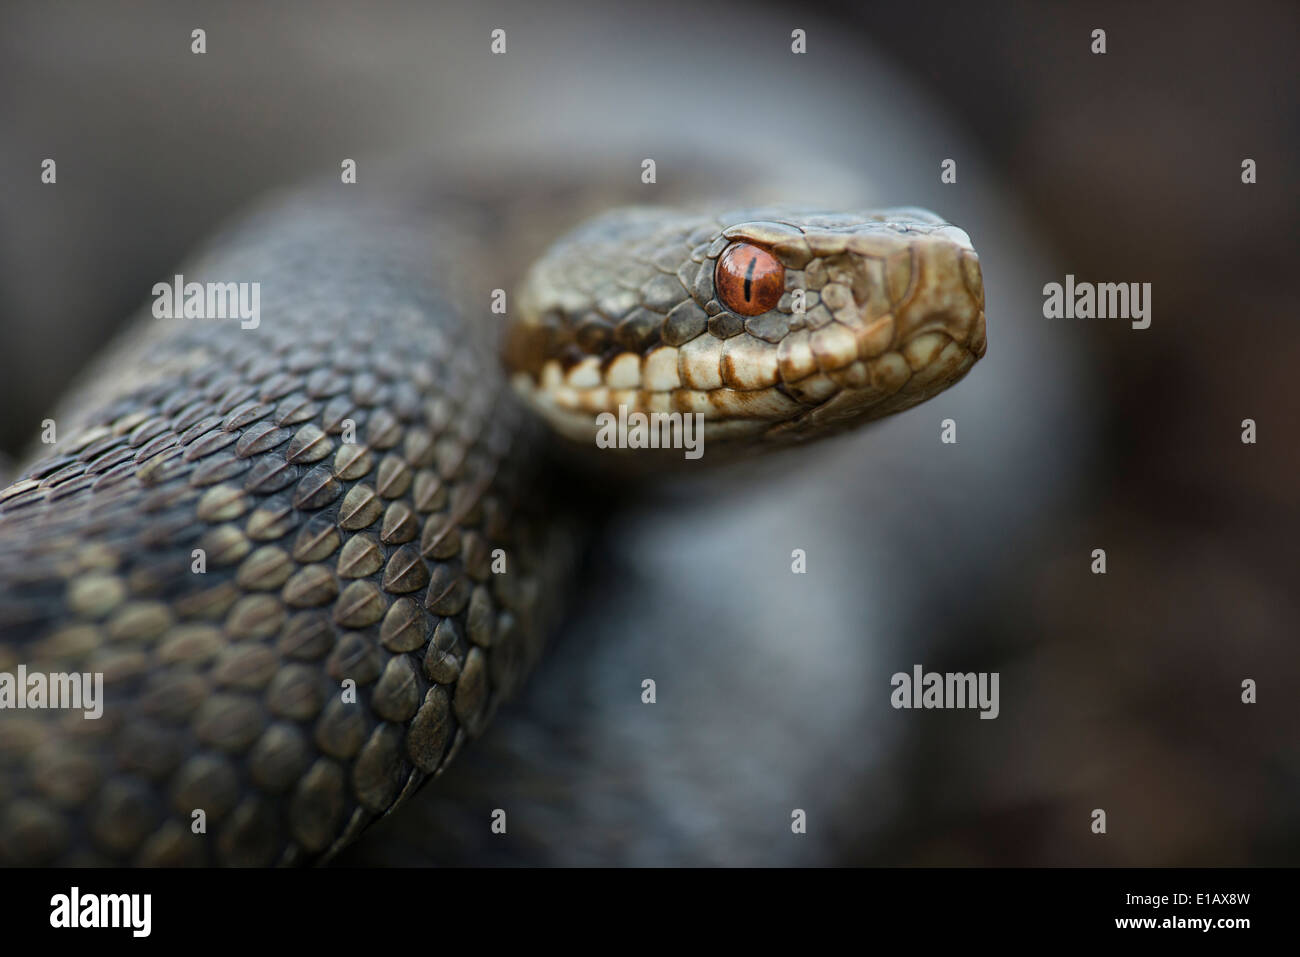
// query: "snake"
[[309, 557]]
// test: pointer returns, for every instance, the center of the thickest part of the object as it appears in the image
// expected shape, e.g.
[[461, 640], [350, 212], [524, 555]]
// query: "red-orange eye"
[[749, 280]]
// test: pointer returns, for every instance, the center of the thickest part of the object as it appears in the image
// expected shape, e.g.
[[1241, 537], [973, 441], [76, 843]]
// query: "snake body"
[[361, 607]]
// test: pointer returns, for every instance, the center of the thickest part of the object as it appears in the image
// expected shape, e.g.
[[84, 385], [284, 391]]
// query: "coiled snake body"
[[310, 558]]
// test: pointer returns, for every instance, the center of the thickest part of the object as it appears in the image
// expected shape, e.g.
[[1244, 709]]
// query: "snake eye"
[[749, 280]]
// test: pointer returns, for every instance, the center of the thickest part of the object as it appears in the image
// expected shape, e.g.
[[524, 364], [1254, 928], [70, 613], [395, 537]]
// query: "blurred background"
[[1119, 692]]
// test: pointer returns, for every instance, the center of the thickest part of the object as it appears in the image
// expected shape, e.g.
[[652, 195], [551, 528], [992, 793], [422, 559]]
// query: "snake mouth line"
[[795, 396], [873, 389]]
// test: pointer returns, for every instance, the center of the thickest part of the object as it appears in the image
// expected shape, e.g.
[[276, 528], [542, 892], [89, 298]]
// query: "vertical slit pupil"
[[748, 279]]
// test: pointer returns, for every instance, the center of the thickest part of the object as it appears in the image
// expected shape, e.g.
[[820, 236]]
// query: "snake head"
[[776, 325]]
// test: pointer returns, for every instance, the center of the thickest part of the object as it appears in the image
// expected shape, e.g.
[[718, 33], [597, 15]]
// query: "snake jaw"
[[880, 311]]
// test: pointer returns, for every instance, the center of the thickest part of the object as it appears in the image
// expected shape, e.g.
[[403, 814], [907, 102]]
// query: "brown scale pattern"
[[327, 561]]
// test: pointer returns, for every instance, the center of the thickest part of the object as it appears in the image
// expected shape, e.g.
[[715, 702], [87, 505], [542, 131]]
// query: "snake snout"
[[916, 318], [943, 297]]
